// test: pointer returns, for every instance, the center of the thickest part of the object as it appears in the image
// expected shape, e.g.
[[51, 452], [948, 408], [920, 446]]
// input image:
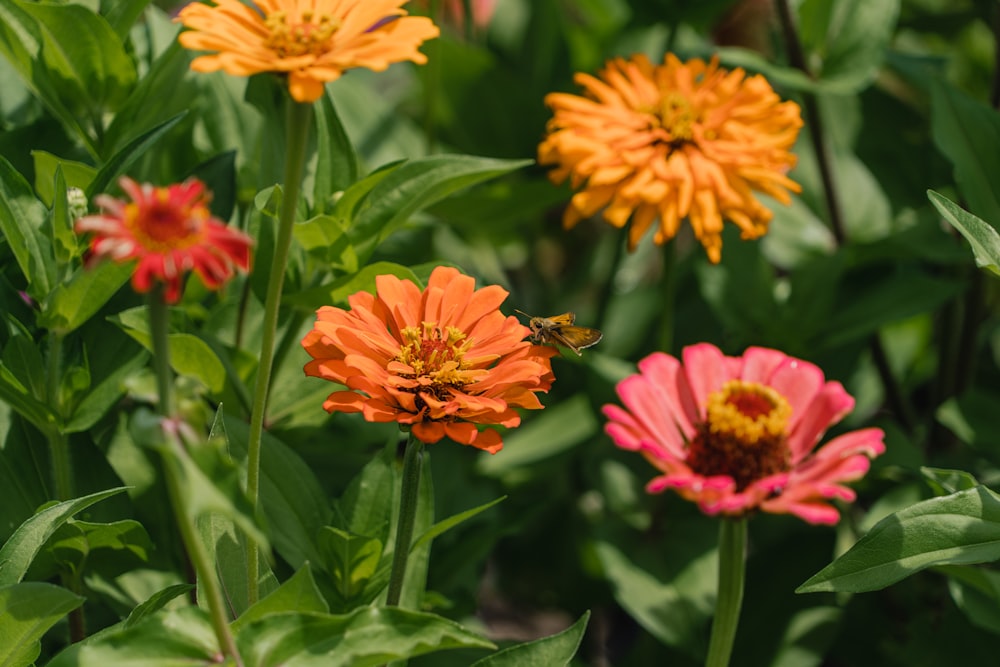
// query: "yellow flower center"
[[437, 356], [162, 226], [311, 35], [676, 115], [744, 434]]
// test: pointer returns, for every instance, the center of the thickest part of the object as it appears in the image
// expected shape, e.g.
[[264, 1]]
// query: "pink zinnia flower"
[[170, 231], [738, 434]]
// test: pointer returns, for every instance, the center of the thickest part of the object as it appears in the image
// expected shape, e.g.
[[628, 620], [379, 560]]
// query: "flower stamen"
[[309, 36]]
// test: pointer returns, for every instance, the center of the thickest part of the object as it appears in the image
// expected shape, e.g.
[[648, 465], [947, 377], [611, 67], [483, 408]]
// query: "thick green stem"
[[198, 554], [298, 121], [729, 599], [412, 462], [62, 467], [159, 328]]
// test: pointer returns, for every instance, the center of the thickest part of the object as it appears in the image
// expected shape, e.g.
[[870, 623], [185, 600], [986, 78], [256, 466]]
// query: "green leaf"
[[189, 355], [414, 185], [945, 482], [967, 132], [298, 594], [556, 430], [18, 397], [123, 159], [21, 41], [119, 546], [452, 521], [959, 529], [336, 292], [155, 603], [367, 637], [851, 37], [72, 303], [182, 638], [555, 651], [83, 55], [350, 559], [292, 498], [20, 549], [982, 236], [227, 548], [63, 239], [976, 591], [336, 160], [101, 397], [21, 219], [76, 174], [122, 14], [28, 610]]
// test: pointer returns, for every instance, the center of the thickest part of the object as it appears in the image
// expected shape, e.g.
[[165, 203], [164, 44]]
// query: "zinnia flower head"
[[738, 434], [312, 41], [170, 231], [673, 141], [438, 360]]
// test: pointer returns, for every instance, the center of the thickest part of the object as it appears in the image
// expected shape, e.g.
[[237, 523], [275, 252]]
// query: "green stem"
[[669, 281], [729, 599], [159, 327], [412, 461], [198, 554], [298, 120], [62, 467]]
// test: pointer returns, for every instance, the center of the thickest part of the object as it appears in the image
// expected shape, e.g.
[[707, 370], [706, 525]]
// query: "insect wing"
[[576, 338]]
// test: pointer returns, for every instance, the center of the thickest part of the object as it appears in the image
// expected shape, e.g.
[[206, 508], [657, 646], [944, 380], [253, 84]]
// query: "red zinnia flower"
[[439, 360], [736, 434], [170, 231]]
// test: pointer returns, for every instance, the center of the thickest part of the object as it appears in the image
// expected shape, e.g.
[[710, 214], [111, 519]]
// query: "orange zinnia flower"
[[312, 41], [679, 140], [439, 360], [170, 231]]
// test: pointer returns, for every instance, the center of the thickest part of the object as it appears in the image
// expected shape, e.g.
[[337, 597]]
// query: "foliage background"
[[907, 91]]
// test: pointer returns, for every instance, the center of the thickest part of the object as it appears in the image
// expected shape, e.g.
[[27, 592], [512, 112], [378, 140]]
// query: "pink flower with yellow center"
[[439, 360], [739, 434], [311, 41], [170, 231]]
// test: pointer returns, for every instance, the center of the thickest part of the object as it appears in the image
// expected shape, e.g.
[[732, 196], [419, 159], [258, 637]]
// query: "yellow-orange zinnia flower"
[[312, 41], [439, 360], [673, 141]]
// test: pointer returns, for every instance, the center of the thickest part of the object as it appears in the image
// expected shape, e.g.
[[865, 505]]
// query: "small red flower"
[[170, 231], [737, 434]]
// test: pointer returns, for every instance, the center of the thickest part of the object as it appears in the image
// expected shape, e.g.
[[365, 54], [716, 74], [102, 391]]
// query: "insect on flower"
[[562, 330]]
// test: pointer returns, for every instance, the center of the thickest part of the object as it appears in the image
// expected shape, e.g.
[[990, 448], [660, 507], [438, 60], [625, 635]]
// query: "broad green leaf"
[[76, 174], [808, 636], [982, 236], [967, 132], [972, 418], [556, 430], [292, 498], [350, 559], [23, 359], [189, 355], [101, 397], [959, 529], [20, 549], [452, 521], [120, 162], [84, 55], [21, 219], [414, 185], [21, 42], [182, 638], [851, 37], [72, 303], [319, 234], [368, 637], [336, 160], [298, 594], [555, 651], [366, 507], [945, 482], [226, 545], [28, 610], [119, 546]]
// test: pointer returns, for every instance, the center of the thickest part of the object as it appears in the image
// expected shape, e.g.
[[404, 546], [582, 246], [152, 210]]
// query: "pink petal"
[[827, 408], [706, 369]]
